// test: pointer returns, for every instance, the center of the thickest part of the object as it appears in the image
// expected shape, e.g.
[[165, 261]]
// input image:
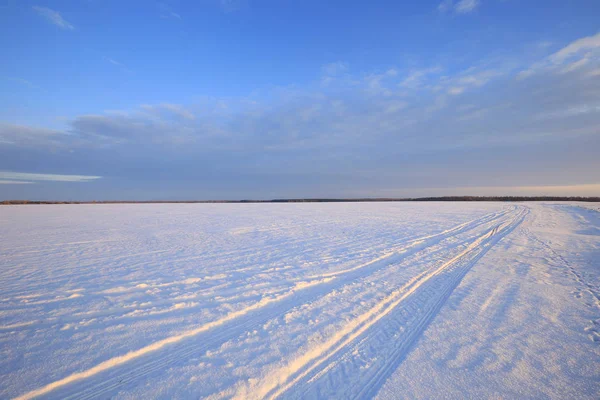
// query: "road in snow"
[[336, 300]]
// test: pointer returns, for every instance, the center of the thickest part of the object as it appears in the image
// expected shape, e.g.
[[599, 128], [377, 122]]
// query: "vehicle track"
[[401, 246], [251, 253], [108, 377], [394, 325]]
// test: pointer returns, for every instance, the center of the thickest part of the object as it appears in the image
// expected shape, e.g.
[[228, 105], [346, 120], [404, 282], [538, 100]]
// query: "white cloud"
[[14, 182], [575, 48], [21, 135], [415, 110], [299, 132], [416, 77], [574, 56], [114, 62], [576, 65], [466, 6], [53, 17], [459, 7], [456, 90], [465, 80], [478, 79], [175, 109], [25, 176], [375, 82]]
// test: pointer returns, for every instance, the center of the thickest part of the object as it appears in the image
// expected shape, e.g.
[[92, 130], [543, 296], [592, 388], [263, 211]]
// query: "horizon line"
[[313, 200]]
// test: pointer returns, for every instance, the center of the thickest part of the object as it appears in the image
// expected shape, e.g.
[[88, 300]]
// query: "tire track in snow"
[[307, 245], [297, 374], [417, 242], [390, 256], [139, 365]]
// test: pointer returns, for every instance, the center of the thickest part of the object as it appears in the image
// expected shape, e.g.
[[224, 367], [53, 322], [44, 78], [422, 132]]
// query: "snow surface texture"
[[248, 301]]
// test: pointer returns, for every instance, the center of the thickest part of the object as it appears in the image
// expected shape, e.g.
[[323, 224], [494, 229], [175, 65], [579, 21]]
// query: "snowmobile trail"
[[392, 326], [114, 374]]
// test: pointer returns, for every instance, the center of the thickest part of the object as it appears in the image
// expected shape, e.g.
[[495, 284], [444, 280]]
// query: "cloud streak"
[[116, 63], [54, 17], [13, 177], [576, 55], [3, 182]]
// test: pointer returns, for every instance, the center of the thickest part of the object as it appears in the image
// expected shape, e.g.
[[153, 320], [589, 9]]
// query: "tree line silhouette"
[[320, 200]]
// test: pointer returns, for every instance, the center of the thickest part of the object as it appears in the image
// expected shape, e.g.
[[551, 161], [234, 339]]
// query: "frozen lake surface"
[[330, 300]]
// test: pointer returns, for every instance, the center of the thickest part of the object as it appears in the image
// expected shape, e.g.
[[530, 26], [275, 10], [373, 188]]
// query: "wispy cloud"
[[574, 56], [456, 90], [170, 15], [167, 12], [391, 103], [21, 135], [117, 64], [114, 62], [53, 17], [471, 79], [14, 182], [458, 7], [9, 176], [575, 48], [372, 124], [417, 77], [176, 109], [376, 82], [466, 6]]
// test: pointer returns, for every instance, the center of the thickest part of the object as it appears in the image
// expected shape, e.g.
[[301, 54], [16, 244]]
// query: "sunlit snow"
[[336, 300]]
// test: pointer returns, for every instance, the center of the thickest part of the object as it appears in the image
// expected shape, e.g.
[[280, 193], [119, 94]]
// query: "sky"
[[261, 99]]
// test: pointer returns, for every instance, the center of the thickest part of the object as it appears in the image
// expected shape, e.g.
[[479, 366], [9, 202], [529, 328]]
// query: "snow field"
[[284, 300]]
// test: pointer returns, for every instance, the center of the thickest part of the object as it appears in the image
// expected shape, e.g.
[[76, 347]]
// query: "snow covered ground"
[[342, 300]]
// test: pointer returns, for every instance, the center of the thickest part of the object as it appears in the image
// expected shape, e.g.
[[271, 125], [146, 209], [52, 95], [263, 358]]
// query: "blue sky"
[[233, 99]]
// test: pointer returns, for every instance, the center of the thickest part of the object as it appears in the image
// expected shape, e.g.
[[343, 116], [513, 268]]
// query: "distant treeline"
[[444, 198]]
